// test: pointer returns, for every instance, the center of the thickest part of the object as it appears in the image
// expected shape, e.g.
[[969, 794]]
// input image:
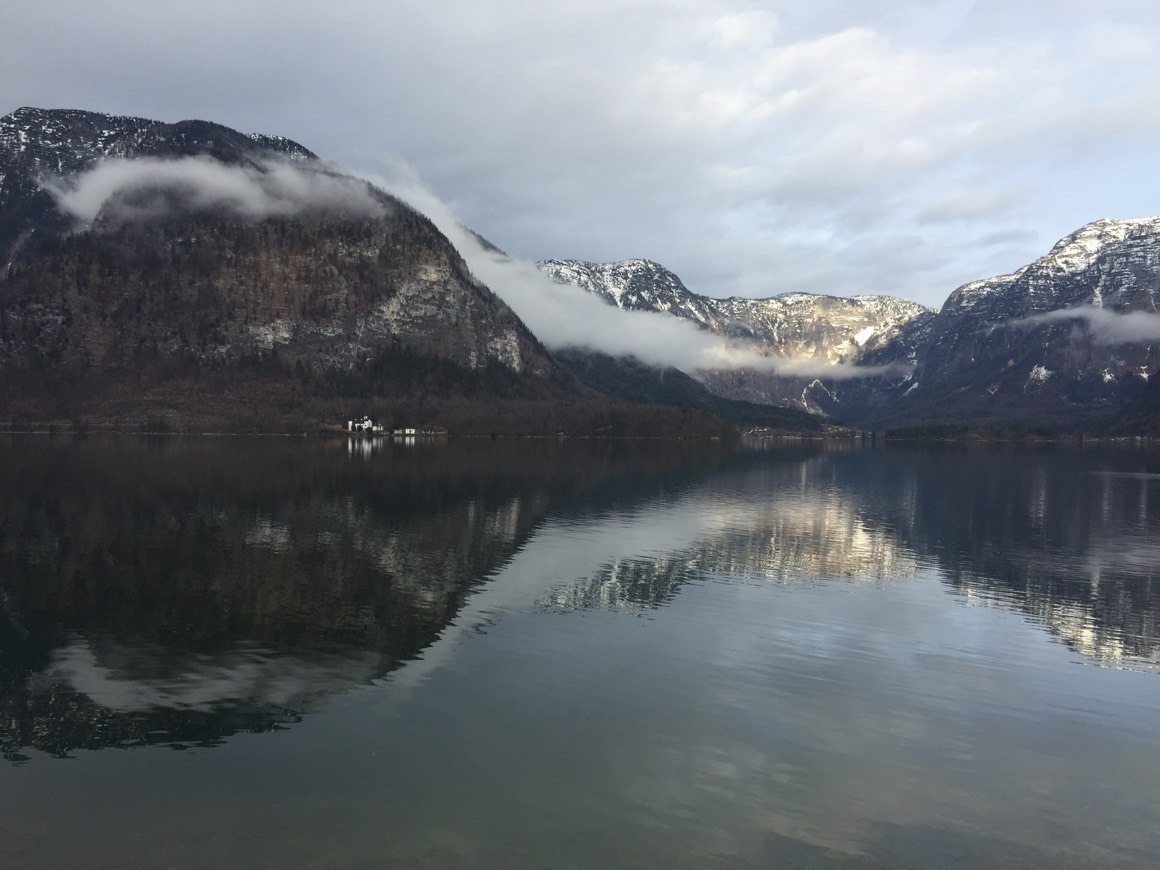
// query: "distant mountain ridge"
[[826, 330], [1048, 342], [831, 328], [1044, 345]]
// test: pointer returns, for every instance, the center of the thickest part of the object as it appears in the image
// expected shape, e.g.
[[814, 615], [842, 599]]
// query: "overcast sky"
[[831, 146]]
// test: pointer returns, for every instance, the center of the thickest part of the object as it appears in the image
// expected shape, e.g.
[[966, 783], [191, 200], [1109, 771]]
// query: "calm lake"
[[290, 652]]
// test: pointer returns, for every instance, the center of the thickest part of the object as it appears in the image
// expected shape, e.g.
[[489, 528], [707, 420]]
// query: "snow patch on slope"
[[1076, 252]]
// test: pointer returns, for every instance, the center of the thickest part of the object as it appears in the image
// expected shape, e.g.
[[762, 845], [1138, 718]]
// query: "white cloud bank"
[[1105, 327], [567, 316], [147, 188]]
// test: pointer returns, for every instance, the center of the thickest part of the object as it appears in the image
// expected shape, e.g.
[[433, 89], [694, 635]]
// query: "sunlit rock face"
[[797, 327], [829, 329]]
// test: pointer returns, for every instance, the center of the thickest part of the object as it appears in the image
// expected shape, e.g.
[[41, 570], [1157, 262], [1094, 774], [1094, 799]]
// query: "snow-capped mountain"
[[799, 325], [796, 326], [54, 142], [634, 285], [1069, 337]]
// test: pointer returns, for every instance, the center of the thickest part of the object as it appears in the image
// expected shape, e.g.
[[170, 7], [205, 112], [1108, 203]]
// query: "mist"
[[1104, 326], [561, 316], [150, 188], [565, 316]]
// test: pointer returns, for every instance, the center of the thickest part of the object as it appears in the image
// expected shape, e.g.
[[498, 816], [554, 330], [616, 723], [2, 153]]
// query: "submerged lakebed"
[[269, 651]]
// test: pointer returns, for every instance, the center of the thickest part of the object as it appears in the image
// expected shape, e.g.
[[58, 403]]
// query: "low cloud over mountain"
[[147, 188], [1104, 326], [566, 317]]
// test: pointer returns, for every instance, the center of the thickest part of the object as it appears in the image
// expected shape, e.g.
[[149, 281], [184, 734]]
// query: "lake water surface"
[[250, 652]]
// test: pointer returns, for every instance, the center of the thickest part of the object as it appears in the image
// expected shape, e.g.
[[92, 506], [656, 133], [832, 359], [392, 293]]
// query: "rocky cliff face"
[[795, 326], [318, 291]]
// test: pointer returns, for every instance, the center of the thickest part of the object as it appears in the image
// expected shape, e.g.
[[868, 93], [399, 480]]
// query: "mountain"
[[191, 276], [801, 327], [173, 308], [835, 329], [1069, 339], [316, 289], [187, 276]]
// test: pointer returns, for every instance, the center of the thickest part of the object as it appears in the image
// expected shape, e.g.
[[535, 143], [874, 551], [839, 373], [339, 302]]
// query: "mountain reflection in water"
[[178, 591]]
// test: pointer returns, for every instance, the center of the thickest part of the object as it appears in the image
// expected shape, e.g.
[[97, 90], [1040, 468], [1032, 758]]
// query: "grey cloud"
[[1007, 237], [683, 132], [972, 204]]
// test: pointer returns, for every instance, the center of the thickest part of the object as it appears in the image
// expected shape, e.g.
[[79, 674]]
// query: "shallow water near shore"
[[296, 652]]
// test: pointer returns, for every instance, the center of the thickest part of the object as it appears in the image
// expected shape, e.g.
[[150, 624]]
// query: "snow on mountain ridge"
[[47, 143], [1077, 251], [799, 325], [1116, 262], [1066, 336]]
